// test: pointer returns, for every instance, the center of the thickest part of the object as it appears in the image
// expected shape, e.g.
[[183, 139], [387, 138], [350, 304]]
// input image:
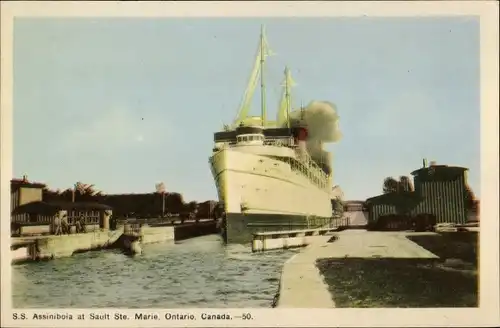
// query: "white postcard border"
[[485, 315]]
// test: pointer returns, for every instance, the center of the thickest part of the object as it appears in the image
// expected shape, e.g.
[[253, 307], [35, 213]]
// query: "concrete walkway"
[[356, 218], [302, 285]]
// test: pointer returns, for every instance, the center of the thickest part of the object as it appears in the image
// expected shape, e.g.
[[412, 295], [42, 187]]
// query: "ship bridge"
[[249, 135]]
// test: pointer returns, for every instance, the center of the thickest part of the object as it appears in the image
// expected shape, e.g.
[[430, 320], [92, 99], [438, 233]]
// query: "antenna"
[[262, 87], [302, 111], [287, 95]]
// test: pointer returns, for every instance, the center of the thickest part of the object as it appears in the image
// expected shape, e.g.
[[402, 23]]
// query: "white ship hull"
[[261, 193]]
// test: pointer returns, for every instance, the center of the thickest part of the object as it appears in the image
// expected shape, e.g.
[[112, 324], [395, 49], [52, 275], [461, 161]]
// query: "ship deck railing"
[[304, 158]]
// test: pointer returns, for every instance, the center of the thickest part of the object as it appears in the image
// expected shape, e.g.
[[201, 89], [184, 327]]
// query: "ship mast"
[[285, 106], [257, 70], [262, 86], [287, 95]]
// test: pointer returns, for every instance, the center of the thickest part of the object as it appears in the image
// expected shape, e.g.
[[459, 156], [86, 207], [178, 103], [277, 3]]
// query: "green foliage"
[[470, 199], [338, 207], [391, 185], [192, 207], [405, 184]]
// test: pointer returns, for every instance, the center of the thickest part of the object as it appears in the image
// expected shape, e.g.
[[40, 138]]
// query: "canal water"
[[199, 272]]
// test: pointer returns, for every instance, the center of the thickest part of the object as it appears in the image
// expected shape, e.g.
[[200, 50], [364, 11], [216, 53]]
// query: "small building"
[[440, 192], [353, 205], [398, 204], [356, 212], [23, 192], [443, 190], [38, 217], [31, 215]]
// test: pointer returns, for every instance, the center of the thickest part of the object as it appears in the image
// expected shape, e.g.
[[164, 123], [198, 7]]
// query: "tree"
[[470, 198], [364, 207], [85, 192], [49, 195], [405, 184], [390, 185], [174, 202], [67, 195], [338, 207], [192, 207]]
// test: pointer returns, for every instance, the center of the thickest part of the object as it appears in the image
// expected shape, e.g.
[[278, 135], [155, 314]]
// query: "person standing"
[[112, 222], [78, 226], [82, 225], [64, 225], [57, 225]]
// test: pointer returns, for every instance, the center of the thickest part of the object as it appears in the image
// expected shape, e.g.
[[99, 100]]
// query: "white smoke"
[[322, 123]]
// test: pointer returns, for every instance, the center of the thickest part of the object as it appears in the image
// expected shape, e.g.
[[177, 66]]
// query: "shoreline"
[[49, 247]]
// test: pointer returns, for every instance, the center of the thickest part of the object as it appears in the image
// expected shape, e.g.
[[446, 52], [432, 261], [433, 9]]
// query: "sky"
[[125, 103]]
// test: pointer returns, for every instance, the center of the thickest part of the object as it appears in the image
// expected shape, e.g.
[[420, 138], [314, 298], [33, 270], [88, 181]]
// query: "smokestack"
[[301, 140], [25, 178], [424, 163]]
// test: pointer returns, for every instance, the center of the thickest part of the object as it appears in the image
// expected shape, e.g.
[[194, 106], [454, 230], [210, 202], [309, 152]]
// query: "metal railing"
[[340, 222], [291, 225], [279, 142]]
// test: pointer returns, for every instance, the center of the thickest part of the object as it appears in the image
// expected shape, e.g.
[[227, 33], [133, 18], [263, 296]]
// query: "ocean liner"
[[265, 178]]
